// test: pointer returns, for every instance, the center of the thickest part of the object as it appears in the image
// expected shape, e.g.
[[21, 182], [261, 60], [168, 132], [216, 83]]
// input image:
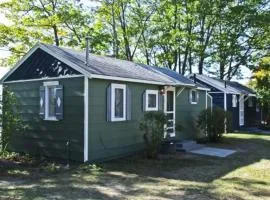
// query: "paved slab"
[[217, 152]]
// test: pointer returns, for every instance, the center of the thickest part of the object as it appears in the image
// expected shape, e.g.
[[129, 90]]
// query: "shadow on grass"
[[195, 167], [175, 177]]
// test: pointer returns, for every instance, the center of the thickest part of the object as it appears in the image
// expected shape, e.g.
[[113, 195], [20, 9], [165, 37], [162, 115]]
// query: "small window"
[[234, 101], [151, 100], [118, 103], [194, 96], [50, 100], [250, 102]]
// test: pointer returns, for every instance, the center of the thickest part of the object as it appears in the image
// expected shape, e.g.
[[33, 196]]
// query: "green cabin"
[[90, 106]]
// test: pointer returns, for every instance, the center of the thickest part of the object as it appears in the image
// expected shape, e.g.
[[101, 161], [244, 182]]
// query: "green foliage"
[[59, 22], [211, 122], [152, 126], [11, 122], [261, 84], [181, 35]]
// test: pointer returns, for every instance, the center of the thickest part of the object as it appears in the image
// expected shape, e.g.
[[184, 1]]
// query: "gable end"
[[41, 65]]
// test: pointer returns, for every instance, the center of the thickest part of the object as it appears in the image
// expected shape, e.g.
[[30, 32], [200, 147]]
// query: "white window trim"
[[46, 85], [147, 92], [113, 87], [190, 96], [234, 101]]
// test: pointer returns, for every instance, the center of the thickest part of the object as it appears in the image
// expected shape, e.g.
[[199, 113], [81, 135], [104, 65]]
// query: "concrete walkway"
[[210, 151]]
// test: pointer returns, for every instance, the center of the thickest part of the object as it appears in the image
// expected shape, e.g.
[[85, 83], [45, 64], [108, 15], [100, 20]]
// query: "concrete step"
[[187, 145]]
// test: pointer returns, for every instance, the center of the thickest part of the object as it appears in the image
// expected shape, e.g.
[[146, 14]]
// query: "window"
[[194, 96], [151, 100], [250, 102], [234, 101], [51, 98], [118, 102], [51, 101]]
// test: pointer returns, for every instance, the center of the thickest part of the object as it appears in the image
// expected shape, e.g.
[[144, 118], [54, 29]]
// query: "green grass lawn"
[[244, 175]]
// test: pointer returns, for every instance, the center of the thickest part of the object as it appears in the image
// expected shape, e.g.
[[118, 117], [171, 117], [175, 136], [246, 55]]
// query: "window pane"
[[152, 101], [119, 103], [170, 101], [51, 98], [194, 98], [234, 101]]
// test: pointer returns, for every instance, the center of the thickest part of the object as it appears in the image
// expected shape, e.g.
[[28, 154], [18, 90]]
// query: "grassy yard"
[[244, 175]]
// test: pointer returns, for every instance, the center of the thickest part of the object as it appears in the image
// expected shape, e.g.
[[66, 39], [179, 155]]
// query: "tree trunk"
[[115, 36], [190, 61], [221, 70], [200, 66], [123, 26], [56, 39], [147, 55]]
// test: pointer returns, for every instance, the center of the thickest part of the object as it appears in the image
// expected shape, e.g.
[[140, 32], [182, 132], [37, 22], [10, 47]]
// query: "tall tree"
[[237, 40], [261, 83], [51, 21]]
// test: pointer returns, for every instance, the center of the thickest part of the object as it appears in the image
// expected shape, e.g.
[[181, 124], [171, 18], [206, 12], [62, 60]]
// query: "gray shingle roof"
[[244, 89], [232, 87], [108, 66]]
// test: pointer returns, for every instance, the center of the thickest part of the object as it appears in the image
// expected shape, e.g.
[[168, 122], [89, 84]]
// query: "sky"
[[3, 53]]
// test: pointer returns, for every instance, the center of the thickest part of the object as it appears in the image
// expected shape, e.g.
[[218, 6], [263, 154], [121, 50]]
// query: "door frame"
[[169, 88]]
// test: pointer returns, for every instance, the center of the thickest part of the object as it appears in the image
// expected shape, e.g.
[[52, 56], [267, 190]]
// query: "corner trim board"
[[86, 108]]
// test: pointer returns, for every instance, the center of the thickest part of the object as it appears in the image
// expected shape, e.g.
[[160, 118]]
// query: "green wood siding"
[[49, 137], [108, 140], [186, 114]]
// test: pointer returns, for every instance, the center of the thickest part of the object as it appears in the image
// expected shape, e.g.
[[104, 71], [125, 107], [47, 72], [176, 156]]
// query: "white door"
[[241, 111], [169, 110]]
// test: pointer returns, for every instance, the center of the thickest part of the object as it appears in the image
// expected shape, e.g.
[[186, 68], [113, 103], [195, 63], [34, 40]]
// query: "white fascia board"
[[192, 86], [116, 78], [205, 89], [45, 79]]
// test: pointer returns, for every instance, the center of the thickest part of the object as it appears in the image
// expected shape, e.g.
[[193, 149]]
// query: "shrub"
[[10, 119], [212, 123], [152, 125]]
